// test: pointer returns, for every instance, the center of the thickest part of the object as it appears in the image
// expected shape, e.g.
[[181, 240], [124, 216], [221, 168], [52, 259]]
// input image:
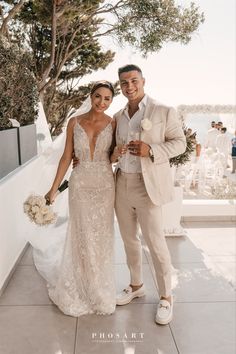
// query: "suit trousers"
[[133, 206]]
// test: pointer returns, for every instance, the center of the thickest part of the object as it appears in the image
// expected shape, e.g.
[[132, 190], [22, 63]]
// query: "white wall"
[[14, 225], [14, 189], [222, 209]]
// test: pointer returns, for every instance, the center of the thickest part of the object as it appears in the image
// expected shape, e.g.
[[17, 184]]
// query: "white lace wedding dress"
[[85, 281]]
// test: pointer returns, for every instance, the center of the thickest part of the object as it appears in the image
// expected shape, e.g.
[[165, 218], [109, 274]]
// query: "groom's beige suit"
[[139, 196]]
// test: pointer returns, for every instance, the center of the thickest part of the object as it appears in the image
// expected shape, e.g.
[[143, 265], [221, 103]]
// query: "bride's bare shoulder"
[[76, 119], [71, 123], [109, 118], [112, 121], [81, 116]]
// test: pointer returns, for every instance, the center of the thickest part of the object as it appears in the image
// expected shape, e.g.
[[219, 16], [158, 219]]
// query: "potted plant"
[[172, 211], [18, 100], [9, 155]]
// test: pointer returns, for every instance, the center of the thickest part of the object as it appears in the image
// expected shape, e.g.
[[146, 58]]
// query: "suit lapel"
[[148, 114], [150, 107]]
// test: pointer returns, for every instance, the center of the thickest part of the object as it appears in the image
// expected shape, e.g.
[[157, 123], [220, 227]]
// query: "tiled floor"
[[204, 313]]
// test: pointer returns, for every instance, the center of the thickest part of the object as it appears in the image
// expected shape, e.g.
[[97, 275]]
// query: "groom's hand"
[[75, 161], [138, 148]]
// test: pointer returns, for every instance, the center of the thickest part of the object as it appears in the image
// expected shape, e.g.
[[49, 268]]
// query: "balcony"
[[204, 310]]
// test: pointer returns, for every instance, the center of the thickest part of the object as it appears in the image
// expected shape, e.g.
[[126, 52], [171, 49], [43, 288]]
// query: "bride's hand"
[[118, 152], [50, 197], [75, 161]]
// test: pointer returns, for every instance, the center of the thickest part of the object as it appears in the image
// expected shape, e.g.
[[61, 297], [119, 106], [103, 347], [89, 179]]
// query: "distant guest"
[[212, 134], [223, 144], [233, 141], [213, 124]]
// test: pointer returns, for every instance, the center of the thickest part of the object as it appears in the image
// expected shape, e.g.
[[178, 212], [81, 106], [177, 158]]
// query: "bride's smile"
[[101, 99]]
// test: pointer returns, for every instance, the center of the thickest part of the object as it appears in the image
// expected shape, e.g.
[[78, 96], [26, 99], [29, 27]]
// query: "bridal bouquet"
[[38, 209]]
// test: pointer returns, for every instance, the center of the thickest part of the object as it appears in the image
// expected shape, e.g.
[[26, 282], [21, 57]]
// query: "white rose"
[[41, 201], [44, 210], [146, 124], [50, 217], [26, 208], [30, 200], [38, 219], [35, 209]]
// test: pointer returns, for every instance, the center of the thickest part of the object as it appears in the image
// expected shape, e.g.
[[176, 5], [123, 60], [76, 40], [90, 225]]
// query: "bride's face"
[[101, 99]]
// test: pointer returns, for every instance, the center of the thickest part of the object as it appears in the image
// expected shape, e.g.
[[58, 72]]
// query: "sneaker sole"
[[163, 323], [128, 302]]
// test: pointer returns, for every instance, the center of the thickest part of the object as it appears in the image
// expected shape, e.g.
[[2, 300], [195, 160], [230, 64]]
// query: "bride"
[[85, 281]]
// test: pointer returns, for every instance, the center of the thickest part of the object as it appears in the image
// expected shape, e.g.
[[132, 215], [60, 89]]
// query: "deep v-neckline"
[[98, 135]]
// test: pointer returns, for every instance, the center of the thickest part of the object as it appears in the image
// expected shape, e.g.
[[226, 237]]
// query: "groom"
[[144, 184]]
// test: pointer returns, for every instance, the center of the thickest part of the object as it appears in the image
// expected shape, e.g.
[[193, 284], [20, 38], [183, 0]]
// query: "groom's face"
[[132, 85]]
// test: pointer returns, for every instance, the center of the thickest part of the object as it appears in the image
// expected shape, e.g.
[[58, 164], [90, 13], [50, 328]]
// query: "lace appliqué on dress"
[[86, 280]]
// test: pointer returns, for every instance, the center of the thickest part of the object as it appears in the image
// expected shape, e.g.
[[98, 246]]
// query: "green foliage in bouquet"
[[18, 87], [183, 158]]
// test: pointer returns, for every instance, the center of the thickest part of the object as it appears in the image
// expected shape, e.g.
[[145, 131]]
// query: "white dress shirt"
[[130, 129], [211, 138], [223, 144]]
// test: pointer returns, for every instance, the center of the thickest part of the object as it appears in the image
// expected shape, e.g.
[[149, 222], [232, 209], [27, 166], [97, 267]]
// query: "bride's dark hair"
[[103, 83]]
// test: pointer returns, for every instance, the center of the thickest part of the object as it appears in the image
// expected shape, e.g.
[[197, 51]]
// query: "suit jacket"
[[167, 139]]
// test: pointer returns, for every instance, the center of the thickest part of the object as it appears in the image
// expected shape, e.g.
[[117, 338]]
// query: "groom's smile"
[[132, 85]]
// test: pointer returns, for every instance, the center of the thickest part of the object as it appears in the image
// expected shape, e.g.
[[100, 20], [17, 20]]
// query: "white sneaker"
[[127, 295], [164, 312]]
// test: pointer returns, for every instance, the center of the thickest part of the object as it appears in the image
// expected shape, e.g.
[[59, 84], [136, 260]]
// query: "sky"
[[201, 72]]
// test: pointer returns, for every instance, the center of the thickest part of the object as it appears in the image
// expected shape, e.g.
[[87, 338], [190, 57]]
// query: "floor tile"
[[228, 271], [204, 320], [123, 280], [207, 328], [182, 249], [200, 282], [26, 287], [131, 330], [214, 241], [36, 330]]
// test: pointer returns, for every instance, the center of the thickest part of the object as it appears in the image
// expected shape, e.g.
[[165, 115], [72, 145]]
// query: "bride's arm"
[[64, 162], [114, 153]]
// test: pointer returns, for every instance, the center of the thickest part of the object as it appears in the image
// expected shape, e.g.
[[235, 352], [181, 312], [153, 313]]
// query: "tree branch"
[[68, 53], [62, 62], [108, 9], [12, 13], [53, 45], [104, 33]]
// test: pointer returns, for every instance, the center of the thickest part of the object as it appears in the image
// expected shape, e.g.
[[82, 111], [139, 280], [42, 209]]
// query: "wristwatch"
[[151, 155]]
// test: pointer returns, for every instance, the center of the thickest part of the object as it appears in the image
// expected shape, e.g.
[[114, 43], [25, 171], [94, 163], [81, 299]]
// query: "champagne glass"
[[121, 143], [135, 135]]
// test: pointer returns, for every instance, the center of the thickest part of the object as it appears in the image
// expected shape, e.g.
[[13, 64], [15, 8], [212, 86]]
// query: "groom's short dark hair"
[[129, 67]]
